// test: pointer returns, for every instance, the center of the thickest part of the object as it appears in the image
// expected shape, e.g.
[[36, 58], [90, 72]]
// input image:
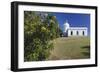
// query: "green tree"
[[39, 31]]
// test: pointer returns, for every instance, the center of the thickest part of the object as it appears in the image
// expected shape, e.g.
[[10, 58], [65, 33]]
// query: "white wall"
[[5, 36], [73, 31]]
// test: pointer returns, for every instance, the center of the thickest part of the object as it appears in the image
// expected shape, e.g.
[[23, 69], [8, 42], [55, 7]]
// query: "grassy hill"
[[70, 48]]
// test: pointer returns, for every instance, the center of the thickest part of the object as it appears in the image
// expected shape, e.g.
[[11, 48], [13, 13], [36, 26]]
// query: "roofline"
[[78, 28]]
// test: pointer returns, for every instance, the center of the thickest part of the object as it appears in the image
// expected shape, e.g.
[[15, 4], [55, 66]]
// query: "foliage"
[[39, 31]]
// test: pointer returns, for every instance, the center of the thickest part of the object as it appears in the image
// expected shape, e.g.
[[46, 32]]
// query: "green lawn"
[[70, 48]]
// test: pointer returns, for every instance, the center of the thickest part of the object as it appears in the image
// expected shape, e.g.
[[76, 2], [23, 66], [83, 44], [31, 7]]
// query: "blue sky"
[[74, 19]]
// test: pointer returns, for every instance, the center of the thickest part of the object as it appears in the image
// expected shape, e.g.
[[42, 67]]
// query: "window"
[[83, 33], [77, 33], [71, 32]]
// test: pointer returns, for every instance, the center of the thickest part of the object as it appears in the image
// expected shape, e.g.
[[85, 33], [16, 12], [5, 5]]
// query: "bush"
[[38, 36]]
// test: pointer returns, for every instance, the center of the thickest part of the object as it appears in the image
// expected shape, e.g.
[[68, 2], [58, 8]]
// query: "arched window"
[[71, 32], [83, 33], [77, 32]]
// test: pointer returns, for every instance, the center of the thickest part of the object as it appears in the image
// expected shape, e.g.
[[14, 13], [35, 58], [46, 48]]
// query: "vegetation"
[[39, 31], [70, 48]]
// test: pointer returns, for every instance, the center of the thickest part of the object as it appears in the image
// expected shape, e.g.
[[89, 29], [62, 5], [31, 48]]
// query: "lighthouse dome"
[[66, 26]]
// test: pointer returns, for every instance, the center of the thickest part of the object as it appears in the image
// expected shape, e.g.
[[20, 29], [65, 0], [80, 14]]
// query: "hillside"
[[70, 48]]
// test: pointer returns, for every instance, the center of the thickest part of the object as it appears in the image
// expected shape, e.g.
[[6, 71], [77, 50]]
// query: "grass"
[[70, 48]]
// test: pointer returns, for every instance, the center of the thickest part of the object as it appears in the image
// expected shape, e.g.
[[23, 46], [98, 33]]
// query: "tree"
[[39, 31]]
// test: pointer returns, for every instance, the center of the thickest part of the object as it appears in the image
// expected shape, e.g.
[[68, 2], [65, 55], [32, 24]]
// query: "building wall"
[[77, 32]]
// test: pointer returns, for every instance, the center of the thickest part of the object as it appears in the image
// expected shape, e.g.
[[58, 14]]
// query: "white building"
[[74, 31]]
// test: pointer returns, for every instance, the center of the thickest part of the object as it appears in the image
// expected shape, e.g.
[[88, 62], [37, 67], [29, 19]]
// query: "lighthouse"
[[66, 26]]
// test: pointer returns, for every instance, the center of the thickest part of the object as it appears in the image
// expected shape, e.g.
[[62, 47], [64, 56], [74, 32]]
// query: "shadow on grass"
[[86, 47], [87, 52]]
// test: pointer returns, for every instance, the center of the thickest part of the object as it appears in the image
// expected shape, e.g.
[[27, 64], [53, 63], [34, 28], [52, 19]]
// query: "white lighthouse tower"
[[66, 27]]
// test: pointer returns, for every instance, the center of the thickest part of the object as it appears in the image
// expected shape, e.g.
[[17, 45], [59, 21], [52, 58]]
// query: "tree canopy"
[[39, 31]]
